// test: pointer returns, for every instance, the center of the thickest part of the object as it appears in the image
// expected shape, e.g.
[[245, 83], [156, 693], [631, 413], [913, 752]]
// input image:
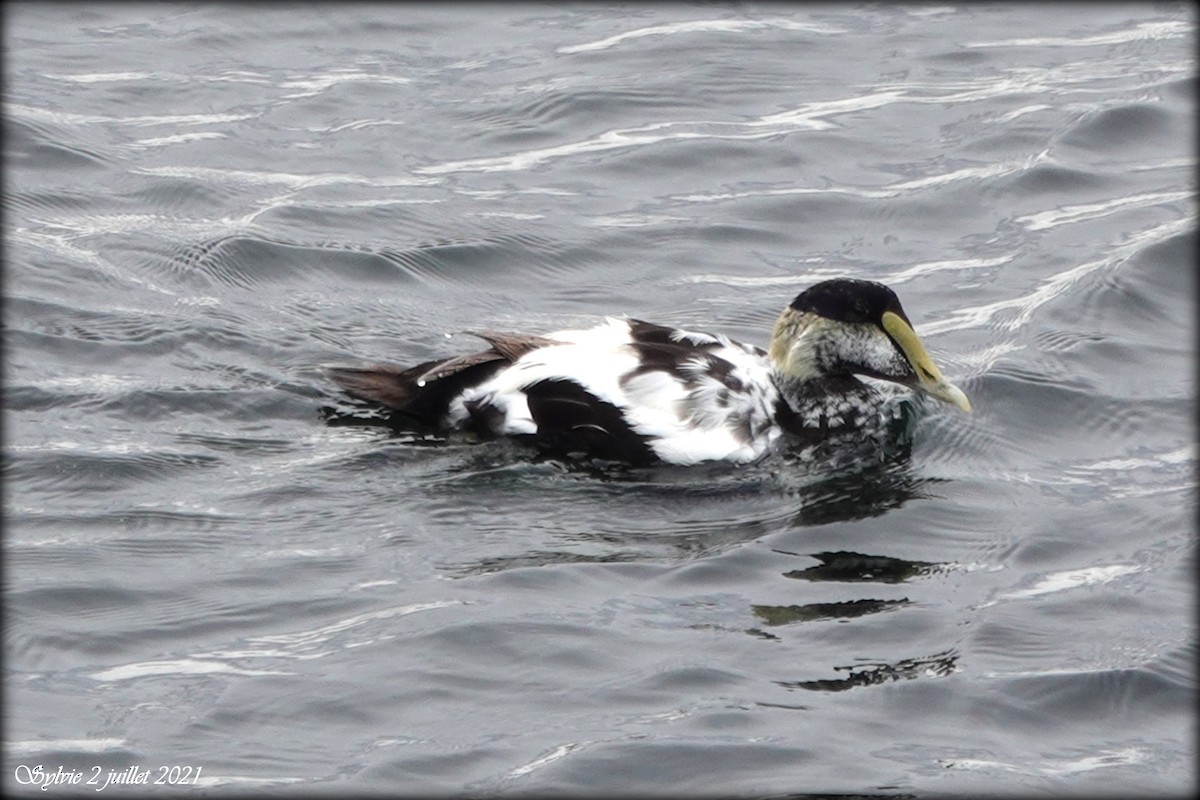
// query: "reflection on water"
[[871, 490], [846, 609], [537, 558], [938, 665], [866, 493], [858, 568]]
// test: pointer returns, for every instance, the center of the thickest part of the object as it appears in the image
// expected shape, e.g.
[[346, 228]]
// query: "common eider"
[[637, 392]]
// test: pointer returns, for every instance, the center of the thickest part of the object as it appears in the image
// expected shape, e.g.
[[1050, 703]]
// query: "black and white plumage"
[[637, 392]]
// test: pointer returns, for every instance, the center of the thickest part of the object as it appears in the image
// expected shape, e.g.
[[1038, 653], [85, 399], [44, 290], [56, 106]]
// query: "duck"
[[841, 355]]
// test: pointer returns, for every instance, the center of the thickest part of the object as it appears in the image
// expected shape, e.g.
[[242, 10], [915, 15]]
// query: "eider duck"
[[636, 392]]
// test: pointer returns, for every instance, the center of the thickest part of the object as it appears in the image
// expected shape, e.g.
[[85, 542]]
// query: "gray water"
[[203, 204]]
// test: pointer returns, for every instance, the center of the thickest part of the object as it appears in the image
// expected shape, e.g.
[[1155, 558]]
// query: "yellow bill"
[[929, 377]]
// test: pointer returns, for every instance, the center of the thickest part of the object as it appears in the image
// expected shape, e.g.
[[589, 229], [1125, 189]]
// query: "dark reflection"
[[617, 547], [849, 609], [816, 486], [847, 567], [869, 490], [539, 558], [938, 665]]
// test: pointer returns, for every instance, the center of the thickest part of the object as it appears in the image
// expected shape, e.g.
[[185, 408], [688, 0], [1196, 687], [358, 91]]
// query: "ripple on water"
[[533, 115], [244, 262], [49, 148], [648, 764], [1114, 128], [103, 337], [1065, 410], [161, 532], [92, 472], [1100, 696], [1055, 180]]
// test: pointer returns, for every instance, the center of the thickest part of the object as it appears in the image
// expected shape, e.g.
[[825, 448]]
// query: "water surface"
[[203, 204]]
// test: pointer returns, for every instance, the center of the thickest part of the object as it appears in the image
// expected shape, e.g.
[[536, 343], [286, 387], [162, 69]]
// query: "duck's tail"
[[426, 390]]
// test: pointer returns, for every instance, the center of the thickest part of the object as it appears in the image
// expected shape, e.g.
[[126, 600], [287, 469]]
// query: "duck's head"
[[848, 327]]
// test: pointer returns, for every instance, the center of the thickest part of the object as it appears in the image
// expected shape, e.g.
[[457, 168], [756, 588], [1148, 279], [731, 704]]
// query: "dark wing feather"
[[571, 420], [427, 389], [644, 332], [423, 391], [379, 383], [513, 345]]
